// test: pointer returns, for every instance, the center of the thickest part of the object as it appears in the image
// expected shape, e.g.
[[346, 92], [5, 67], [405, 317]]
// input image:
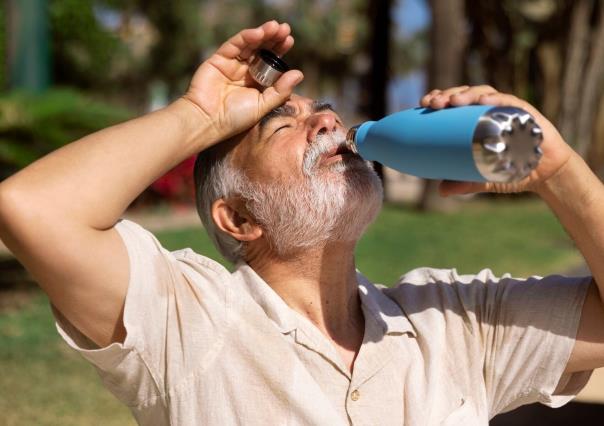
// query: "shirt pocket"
[[464, 415]]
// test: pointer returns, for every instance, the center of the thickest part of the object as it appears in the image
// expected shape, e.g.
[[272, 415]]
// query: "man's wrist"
[[573, 183], [199, 129]]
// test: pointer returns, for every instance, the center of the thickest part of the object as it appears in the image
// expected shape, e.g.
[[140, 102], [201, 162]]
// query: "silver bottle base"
[[506, 144]]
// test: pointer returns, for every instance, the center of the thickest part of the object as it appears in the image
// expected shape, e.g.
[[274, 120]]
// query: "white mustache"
[[322, 144]]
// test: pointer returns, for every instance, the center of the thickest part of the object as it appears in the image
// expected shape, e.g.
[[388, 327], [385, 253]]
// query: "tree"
[[448, 41], [522, 50], [373, 95], [591, 88]]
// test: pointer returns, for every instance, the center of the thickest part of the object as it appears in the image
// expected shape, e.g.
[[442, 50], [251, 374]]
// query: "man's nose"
[[320, 123]]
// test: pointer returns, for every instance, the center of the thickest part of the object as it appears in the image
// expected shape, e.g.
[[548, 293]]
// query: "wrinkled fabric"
[[205, 346]]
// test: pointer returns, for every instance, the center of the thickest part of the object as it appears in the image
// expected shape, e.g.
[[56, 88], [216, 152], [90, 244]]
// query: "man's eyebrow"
[[318, 106], [289, 111], [280, 111]]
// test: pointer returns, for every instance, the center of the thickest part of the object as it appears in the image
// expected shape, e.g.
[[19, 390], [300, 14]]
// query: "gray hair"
[[216, 178]]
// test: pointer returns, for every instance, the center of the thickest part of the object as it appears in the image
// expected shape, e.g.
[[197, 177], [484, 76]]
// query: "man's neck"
[[321, 285]]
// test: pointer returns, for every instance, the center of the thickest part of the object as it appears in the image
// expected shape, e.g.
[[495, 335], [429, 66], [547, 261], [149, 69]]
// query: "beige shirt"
[[210, 347]]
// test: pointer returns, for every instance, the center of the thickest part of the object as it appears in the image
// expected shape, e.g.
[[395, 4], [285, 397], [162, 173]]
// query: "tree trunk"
[[549, 61], [492, 39], [578, 42], [596, 151], [448, 42], [592, 89], [595, 155], [376, 83]]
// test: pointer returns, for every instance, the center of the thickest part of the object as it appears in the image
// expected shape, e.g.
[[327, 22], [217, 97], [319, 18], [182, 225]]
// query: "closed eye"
[[285, 126]]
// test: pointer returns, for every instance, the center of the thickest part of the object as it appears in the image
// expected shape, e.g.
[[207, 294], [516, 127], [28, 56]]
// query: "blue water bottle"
[[477, 143]]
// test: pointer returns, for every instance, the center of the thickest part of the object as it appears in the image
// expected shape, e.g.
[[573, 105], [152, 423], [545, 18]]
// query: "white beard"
[[331, 203]]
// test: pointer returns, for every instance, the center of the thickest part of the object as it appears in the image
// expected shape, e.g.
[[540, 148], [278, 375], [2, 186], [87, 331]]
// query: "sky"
[[410, 16]]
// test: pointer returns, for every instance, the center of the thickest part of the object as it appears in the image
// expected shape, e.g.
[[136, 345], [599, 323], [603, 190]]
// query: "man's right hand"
[[224, 92], [57, 216]]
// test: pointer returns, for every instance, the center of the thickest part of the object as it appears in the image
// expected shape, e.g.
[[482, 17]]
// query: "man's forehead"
[[293, 107], [297, 100], [296, 104], [302, 104]]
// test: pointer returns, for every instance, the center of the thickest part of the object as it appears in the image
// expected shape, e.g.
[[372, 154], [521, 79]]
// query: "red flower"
[[177, 185]]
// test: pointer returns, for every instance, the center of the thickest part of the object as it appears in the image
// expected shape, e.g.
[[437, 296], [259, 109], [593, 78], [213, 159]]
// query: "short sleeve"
[[527, 329], [500, 342], [174, 311]]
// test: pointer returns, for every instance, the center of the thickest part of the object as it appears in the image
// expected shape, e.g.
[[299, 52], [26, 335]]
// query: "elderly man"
[[294, 335]]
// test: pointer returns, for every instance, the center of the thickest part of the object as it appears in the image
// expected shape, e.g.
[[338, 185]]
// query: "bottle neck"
[[351, 139], [356, 136]]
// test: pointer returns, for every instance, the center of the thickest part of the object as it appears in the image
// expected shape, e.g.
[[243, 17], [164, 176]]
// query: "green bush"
[[34, 125]]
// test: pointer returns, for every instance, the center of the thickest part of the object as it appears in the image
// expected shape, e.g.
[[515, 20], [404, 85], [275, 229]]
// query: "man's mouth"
[[337, 153], [328, 149]]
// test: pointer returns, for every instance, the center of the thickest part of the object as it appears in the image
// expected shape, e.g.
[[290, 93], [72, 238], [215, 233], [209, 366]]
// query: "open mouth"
[[337, 152]]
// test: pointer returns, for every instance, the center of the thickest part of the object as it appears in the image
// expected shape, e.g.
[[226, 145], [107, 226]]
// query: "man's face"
[[274, 149], [302, 185]]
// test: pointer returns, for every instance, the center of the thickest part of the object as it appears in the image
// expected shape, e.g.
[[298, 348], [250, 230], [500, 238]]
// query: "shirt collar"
[[382, 309], [388, 314], [270, 302]]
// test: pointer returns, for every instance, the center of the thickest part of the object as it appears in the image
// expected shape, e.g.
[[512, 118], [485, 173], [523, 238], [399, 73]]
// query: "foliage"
[[34, 125], [83, 51], [519, 47], [3, 43], [410, 54], [178, 35]]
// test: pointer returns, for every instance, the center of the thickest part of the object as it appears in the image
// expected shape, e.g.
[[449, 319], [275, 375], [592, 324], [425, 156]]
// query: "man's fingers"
[[471, 95], [283, 47], [425, 102], [236, 45], [242, 44], [460, 95], [282, 33], [280, 91], [465, 95], [502, 99], [273, 39], [450, 187], [441, 98], [282, 41]]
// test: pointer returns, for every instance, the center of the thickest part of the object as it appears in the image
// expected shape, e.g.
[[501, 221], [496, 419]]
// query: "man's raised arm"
[[575, 195], [58, 215]]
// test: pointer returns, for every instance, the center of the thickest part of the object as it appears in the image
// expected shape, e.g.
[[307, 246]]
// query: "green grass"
[[522, 238], [43, 382]]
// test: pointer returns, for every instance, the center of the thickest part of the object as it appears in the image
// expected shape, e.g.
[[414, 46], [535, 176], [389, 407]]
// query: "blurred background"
[[70, 67]]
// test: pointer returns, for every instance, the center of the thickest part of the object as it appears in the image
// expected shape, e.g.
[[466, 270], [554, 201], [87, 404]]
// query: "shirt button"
[[355, 395]]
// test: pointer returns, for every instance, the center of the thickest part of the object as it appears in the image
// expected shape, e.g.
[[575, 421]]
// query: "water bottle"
[[476, 143]]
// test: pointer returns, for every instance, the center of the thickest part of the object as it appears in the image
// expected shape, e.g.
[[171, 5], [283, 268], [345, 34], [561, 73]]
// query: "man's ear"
[[232, 217]]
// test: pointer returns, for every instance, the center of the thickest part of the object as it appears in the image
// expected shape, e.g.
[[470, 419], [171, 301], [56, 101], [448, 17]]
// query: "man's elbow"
[[16, 211], [8, 204]]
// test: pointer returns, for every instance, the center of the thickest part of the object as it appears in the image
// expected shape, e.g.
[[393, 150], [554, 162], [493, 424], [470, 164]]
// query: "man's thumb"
[[278, 93]]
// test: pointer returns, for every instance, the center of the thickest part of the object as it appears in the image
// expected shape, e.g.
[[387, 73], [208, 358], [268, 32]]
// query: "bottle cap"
[[267, 67], [506, 143]]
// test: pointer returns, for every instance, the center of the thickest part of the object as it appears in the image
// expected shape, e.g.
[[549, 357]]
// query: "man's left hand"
[[556, 152], [574, 194]]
